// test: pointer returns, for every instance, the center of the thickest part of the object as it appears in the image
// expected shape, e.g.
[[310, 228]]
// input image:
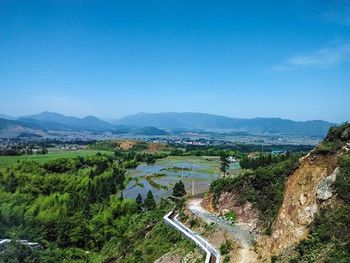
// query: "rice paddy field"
[[195, 172]]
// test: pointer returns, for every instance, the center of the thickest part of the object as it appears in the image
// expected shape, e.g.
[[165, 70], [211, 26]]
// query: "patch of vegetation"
[[155, 184], [139, 146], [226, 259], [6, 161], [131, 158], [225, 247], [105, 145], [193, 222], [263, 186], [230, 216], [156, 175], [327, 148], [334, 140], [261, 160], [342, 183]]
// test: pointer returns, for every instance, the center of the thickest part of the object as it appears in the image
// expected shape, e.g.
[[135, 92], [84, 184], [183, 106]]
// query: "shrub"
[[226, 259], [342, 183], [225, 247], [230, 216], [326, 148]]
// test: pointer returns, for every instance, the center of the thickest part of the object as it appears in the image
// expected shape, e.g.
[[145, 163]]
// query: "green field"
[[54, 154]]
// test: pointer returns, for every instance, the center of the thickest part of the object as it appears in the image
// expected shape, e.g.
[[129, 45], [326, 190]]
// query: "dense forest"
[[74, 208]]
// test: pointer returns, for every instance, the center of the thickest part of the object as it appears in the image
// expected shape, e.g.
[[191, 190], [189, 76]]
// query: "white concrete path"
[[212, 254]]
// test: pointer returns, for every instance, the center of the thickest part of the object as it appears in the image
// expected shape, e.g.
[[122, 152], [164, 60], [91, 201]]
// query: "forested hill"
[[189, 120]]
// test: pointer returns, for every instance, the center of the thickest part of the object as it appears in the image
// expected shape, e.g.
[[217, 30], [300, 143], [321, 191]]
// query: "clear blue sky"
[[288, 59]]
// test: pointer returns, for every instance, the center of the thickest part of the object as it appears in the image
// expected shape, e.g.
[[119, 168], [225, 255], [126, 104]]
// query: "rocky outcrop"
[[324, 189], [304, 189], [345, 136]]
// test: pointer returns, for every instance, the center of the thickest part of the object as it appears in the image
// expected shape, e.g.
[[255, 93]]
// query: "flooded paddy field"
[[162, 176]]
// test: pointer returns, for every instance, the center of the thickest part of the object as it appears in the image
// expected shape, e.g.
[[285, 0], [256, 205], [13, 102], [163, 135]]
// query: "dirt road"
[[239, 232]]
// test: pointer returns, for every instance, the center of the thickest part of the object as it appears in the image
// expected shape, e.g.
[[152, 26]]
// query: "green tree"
[[225, 163], [150, 159], [44, 150], [149, 203], [12, 183], [179, 189], [139, 203], [118, 175]]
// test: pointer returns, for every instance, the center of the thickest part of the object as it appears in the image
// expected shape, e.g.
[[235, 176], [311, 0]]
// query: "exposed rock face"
[[345, 136], [311, 180], [346, 147], [324, 189], [306, 215]]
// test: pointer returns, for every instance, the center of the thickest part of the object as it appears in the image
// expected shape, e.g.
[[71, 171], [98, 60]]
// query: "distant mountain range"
[[160, 124], [42, 123], [204, 121], [88, 122]]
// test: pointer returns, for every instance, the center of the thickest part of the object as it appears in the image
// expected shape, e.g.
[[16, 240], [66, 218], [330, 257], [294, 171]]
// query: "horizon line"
[[165, 112]]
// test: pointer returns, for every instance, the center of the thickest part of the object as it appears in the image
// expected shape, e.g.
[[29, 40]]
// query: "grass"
[[10, 160], [230, 216]]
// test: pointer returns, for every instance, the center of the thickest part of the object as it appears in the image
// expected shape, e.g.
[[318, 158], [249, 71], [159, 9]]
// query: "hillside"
[[312, 223], [299, 207], [12, 129], [204, 121]]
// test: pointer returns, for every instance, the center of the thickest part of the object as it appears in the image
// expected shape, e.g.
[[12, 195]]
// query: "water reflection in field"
[[161, 177]]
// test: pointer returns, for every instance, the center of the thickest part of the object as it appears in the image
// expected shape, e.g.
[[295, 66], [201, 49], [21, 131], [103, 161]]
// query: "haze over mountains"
[[189, 120], [164, 123]]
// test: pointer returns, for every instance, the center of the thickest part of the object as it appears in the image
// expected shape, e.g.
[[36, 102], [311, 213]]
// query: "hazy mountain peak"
[[193, 120]]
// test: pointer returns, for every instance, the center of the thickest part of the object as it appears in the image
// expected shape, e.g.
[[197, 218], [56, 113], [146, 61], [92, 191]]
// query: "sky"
[[244, 59]]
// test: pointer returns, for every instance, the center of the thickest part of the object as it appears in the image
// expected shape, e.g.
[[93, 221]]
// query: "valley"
[[112, 195], [174, 131]]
